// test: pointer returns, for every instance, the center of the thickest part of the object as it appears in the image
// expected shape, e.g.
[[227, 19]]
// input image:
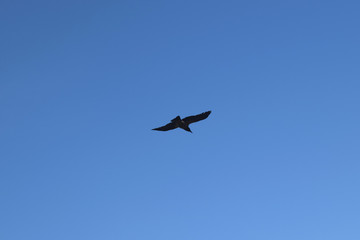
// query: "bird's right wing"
[[196, 118], [167, 127]]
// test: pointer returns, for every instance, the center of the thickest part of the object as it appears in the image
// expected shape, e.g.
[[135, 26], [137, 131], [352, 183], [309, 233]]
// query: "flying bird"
[[183, 123]]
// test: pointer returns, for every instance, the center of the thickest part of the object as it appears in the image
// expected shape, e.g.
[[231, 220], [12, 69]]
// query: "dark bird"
[[183, 123]]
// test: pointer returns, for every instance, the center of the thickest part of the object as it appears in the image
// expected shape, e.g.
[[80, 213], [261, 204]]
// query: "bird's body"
[[180, 123], [183, 123]]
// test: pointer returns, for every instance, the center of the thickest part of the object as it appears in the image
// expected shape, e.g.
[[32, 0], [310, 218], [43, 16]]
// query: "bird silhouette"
[[183, 123]]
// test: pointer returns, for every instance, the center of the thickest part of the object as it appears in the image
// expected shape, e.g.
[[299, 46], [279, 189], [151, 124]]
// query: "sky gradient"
[[82, 83]]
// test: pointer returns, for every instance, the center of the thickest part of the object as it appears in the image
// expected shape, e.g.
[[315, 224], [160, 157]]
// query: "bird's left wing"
[[196, 118], [167, 127]]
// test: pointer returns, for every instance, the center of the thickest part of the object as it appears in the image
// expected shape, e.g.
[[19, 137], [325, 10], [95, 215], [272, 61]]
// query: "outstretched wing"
[[167, 127], [196, 118]]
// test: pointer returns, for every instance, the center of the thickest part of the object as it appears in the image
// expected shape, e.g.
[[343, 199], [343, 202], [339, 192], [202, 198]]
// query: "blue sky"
[[82, 83]]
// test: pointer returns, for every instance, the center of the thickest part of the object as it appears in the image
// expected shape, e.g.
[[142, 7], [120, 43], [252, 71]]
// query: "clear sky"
[[82, 83]]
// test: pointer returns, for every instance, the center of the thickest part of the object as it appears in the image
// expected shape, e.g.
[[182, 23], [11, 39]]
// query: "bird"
[[183, 123]]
